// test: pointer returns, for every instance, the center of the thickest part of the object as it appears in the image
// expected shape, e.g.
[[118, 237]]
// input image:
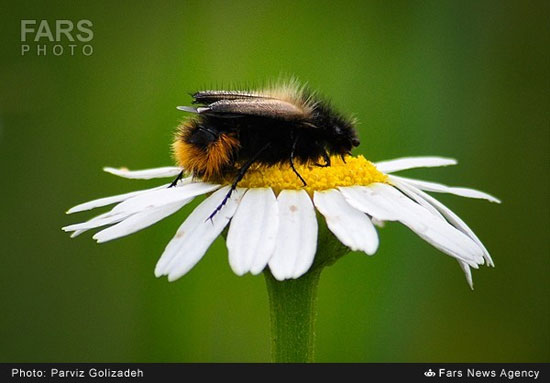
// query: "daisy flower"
[[272, 217]]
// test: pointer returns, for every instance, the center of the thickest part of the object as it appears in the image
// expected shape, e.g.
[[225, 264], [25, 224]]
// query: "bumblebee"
[[232, 130]]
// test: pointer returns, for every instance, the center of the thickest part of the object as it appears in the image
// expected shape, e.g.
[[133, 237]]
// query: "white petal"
[[352, 227], [467, 273], [435, 231], [439, 188], [146, 174], [196, 234], [101, 220], [413, 162], [77, 232], [297, 236], [110, 200], [253, 231], [373, 200], [411, 194], [164, 197], [367, 200], [139, 221], [455, 220]]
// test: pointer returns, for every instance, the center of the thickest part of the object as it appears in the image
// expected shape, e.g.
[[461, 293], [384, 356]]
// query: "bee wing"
[[257, 106], [191, 109], [209, 96]]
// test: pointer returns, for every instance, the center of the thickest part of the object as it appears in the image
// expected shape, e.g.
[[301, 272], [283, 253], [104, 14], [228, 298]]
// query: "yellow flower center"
[[355, 171]]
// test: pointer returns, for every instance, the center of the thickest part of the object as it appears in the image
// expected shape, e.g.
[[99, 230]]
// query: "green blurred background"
[[466, 79]]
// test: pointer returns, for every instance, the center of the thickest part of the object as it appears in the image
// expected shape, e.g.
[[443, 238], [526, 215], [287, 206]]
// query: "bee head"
[[343, 137], [339, 131]]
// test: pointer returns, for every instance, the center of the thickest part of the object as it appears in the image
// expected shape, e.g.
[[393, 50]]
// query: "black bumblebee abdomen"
[[285, 139]]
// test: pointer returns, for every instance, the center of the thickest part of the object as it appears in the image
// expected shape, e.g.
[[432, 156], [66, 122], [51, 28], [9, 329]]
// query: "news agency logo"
[[62, 37], [429, 373]]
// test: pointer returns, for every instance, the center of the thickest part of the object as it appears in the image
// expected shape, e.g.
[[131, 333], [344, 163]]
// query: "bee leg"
[[326, 157], [240, 174], [292, 161], [175, 182], [343, 156]]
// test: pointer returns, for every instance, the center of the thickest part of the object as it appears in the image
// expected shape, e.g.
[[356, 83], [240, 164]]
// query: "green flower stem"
[[293, 308], [293, 304]]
